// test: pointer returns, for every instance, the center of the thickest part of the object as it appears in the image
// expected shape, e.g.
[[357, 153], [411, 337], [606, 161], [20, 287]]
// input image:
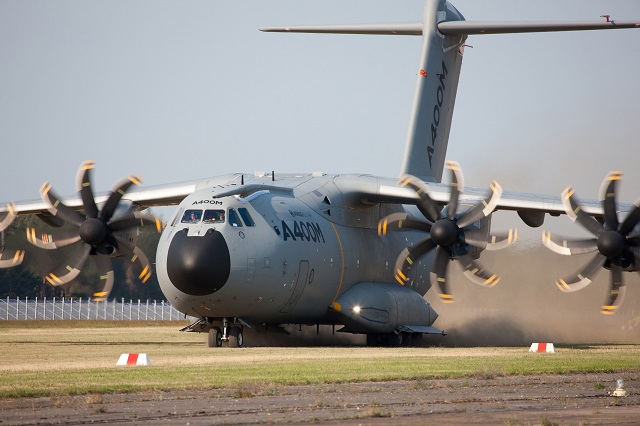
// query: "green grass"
[[42, 358]]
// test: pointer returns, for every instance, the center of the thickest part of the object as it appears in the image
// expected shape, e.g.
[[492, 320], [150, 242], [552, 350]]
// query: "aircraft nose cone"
[[198, 265]]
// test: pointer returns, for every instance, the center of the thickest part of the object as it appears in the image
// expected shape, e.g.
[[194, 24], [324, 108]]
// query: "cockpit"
[[237, 219]]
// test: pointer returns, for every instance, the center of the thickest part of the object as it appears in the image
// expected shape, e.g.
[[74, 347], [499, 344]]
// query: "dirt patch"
[[514, 400]]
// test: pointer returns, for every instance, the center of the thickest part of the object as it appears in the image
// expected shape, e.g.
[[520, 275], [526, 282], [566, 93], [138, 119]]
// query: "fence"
[[85, 309]]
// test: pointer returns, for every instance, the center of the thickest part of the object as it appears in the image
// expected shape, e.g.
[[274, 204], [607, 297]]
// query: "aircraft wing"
[[521, 202], [160, 195], [386, 191]]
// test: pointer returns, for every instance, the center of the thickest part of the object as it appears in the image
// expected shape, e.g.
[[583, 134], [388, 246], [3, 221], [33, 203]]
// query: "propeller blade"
[[410, 255], [117, 191], [400, 221], [83, 185], [575, 213], [137, 257], [457, 187], [57, 208], [49, 241], [475, 273], [136, 219], [105, 268], [70, 271], [583, 278], [502, 240], [11, 214], [483, 208], [7, 259], [427, 206], [608, 199], [496, 241], [631, 220], [633, 240], [568, 247], [439, 275], [618, 290]]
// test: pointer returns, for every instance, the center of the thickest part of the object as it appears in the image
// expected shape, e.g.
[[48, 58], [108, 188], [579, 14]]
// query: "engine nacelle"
[[381, 308]]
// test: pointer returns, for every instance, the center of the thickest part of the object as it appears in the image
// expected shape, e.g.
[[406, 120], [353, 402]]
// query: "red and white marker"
[[133, 359], [542, 347]]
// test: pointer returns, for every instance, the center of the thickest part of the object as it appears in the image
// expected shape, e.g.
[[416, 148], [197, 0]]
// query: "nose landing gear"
[[231, 331], [215, 337], [232, 334]]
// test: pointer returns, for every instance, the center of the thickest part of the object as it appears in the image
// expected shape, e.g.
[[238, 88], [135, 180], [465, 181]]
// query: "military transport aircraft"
[[263, 249]]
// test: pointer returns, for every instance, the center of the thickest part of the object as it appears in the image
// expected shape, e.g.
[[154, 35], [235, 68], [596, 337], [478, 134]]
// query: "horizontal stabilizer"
[[457, 27], [468, 27], [376, 29]]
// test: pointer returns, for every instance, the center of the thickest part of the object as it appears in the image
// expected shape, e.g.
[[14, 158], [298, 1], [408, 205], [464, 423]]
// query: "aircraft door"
[[299, 284]]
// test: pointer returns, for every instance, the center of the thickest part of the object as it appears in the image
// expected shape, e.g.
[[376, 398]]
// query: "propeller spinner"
[[450, 234], [616, 246], [97, 231]]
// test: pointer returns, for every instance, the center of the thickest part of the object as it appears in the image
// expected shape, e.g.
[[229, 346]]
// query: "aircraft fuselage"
[[281, 254]]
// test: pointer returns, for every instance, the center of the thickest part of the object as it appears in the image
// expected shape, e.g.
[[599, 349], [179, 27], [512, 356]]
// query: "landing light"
[[356, 310]]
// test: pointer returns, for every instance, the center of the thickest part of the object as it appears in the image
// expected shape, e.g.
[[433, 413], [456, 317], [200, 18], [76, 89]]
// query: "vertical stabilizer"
[[435, 94]]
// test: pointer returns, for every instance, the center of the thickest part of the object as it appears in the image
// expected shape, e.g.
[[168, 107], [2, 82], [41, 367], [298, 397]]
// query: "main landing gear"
[[394, 340], [231, 334]]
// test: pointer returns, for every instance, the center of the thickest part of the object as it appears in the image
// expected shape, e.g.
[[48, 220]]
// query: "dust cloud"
[[526, 306]]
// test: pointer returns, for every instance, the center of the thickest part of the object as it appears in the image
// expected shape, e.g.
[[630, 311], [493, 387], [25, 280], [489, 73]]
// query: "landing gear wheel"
[[407, 339], [214, 339], [236, 338], [374, 340], [416, 340], [393, 340]]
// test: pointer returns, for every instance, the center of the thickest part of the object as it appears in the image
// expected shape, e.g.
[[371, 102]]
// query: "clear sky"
[[180, 90]]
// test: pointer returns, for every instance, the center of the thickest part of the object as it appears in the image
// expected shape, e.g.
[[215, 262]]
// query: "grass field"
[[42, 358]]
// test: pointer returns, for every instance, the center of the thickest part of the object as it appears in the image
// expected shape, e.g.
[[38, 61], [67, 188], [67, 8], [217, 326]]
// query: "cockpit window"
[[191, 216], [234, 219], [213, 216], [175, 218], [246, 217]]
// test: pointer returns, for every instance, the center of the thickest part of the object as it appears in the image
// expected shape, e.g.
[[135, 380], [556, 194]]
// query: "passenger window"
[[191, 216], [234, 219], [246, 217], [213, 216]]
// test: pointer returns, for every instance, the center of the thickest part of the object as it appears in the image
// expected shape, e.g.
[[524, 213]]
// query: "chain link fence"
[[86, 309]]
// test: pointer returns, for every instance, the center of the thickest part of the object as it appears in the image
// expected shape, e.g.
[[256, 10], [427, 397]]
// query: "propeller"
[[9, 258], [98, 230], [451, 234], [615, 246]]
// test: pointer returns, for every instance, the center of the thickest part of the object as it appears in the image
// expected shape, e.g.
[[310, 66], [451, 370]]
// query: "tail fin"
[[440, 62], [444, 31], [435, 94]]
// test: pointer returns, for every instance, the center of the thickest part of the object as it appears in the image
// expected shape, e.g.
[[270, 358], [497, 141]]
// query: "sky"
[[181, 90]]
